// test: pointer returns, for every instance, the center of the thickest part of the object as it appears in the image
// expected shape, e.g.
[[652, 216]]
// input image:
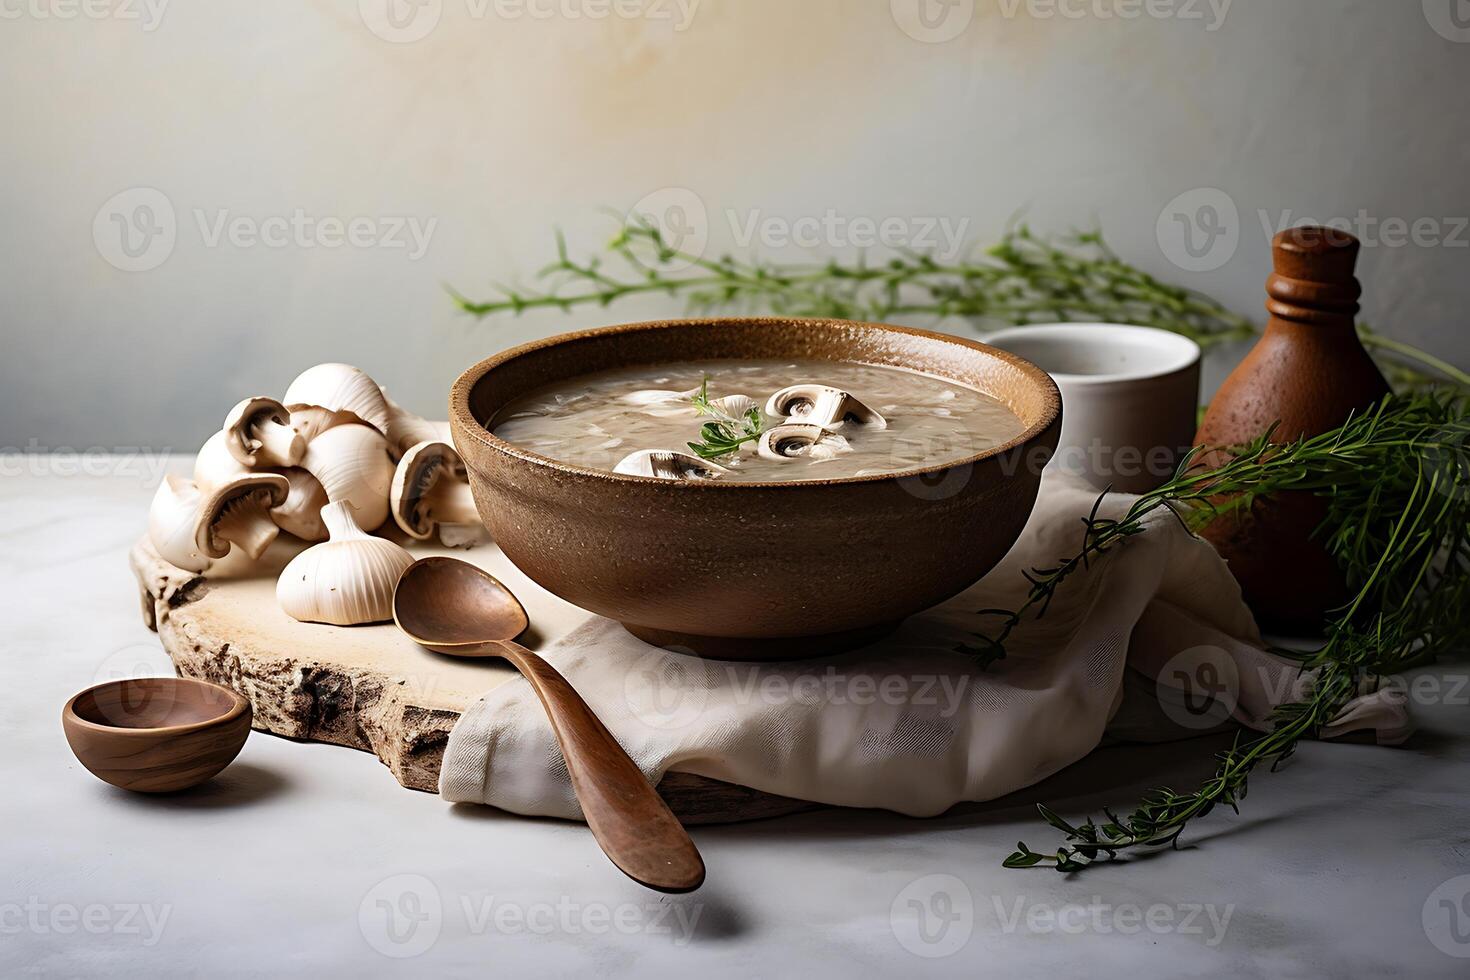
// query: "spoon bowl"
[[455, 608]]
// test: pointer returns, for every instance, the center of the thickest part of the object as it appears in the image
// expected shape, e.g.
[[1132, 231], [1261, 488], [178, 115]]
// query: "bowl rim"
[[240, 704], [1184, 353], [459, 404]]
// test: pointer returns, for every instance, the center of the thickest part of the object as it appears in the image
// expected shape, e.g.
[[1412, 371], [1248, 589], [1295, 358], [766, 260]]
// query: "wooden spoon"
[[456, 608]]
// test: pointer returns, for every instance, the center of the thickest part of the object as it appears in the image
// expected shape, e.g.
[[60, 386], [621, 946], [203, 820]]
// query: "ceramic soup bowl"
[[755, 570]]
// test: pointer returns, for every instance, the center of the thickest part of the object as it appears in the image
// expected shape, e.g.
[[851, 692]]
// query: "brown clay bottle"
[[1308, 373]]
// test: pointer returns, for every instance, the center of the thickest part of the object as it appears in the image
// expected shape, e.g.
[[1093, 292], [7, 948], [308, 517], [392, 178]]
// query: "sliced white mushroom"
[[801, 439], [430, 488], [405, 429], [191, 527], [669, 464], [340, 388], [300, 514], [258, 432], [822, 405], [352, 464]]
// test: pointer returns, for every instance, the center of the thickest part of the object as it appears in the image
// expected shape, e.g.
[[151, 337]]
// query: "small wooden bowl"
[[156, 734]]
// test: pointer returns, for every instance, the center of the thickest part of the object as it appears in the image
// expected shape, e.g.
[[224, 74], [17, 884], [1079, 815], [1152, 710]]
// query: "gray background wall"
[[499, 122]]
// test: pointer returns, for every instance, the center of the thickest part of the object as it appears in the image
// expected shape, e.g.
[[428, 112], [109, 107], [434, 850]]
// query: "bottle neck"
[[1324, 304]]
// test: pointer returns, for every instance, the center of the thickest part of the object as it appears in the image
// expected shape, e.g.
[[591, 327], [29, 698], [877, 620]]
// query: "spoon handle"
[[631, 822]]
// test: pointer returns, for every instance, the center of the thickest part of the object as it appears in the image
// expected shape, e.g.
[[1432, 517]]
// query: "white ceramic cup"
[[1130, 397]]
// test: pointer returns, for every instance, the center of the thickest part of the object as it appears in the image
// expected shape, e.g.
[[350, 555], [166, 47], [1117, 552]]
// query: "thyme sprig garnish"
[[726, 433], [1025, 278], [1397, 482]]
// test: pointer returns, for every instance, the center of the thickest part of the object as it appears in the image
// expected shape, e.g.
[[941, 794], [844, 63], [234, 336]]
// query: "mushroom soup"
[[756, 420]]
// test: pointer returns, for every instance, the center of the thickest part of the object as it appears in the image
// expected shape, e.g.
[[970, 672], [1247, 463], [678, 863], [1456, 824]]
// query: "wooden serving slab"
[[367, 687]]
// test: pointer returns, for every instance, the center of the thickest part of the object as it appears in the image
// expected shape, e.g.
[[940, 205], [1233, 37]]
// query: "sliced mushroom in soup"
[[756, 420]]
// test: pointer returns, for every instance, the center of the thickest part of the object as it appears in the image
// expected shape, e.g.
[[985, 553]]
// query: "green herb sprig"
[[726, 434], [1025, 278], [1397, 482]]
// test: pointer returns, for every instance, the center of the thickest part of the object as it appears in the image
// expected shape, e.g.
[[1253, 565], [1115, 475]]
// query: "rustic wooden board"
[[367, 687]]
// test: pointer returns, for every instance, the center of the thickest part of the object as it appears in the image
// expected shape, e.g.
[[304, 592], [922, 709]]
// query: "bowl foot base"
[[762, 647]]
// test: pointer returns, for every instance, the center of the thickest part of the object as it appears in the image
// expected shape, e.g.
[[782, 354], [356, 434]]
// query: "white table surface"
[[286, 863]]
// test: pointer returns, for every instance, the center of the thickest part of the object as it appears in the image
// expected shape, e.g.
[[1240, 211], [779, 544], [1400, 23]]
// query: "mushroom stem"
[[256, 433], [280, 444], [246, 522], [351, 463], [301, 514], [452, 502]]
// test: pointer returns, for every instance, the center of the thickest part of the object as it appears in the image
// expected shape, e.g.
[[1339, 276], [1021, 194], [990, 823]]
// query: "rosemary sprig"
[[726, 434], [1398, 484], [1024, 279]]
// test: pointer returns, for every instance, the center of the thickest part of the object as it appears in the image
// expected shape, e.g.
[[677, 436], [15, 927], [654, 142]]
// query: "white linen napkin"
[[909, 724]]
